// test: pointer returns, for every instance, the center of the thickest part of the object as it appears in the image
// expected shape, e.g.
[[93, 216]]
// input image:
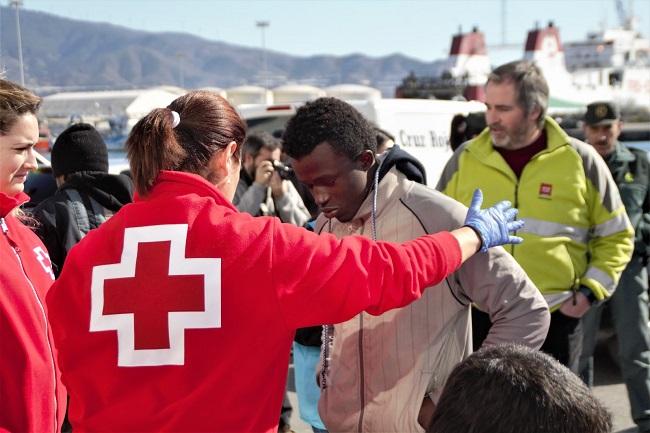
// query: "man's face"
[[603, 137], [510, 127], [338, 183], [265, 154]]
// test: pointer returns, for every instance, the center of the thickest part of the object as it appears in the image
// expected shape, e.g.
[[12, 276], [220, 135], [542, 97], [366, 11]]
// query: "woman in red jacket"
[[178, 313], [32, 397]]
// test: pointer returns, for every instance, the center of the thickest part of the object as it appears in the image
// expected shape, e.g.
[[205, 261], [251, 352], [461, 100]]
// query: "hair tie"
[[177, 119]]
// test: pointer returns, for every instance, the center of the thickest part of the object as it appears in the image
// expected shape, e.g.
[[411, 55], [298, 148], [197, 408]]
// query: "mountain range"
[[61, 53]]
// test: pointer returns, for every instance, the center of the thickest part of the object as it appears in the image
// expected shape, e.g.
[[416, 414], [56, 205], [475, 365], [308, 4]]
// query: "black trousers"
[[563, 342], [285, 414]]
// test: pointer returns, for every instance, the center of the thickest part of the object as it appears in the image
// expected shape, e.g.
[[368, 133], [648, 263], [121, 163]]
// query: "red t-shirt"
[[178, 313], [518, 158]]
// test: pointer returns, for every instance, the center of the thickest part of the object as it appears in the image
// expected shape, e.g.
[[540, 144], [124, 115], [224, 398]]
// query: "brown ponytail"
[[208, 123]]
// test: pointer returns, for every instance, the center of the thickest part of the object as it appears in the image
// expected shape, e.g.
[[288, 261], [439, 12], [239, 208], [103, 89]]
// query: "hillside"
[[60, 52]]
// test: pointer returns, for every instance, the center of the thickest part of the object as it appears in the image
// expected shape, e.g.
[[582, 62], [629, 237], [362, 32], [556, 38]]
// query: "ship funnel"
[[544, 48], [468, 60], [546, 40], [468, 44]]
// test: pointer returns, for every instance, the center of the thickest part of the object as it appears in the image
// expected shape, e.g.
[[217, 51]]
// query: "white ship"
[[617, 59], [612, 64]]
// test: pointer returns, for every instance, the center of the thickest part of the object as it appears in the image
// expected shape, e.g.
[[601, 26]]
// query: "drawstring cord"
[[373, 212], [327, 336]]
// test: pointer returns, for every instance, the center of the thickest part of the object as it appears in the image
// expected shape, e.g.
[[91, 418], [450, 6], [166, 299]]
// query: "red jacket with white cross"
[[178, 313], [32, 397]]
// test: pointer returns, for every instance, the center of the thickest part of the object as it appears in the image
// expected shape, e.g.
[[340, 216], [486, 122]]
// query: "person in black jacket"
[[87, 194]]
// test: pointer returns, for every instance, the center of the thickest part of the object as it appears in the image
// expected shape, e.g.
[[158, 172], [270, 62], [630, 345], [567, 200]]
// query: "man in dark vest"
[[629, 304]]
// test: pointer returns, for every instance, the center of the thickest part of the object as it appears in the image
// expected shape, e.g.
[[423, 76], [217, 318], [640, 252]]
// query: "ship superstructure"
[[613, 64]]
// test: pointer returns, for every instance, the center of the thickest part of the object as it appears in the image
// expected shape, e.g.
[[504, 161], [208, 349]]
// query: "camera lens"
[[283, 169]]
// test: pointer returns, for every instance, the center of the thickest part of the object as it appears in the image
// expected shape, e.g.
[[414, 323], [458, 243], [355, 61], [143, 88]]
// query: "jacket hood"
[[405, 163], [110, 190]]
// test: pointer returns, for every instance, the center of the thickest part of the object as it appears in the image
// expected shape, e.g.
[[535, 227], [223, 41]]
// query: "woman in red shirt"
[[32, 397], [178, 313]]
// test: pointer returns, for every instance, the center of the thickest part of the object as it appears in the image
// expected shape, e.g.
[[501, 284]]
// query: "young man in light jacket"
[[384, 373]]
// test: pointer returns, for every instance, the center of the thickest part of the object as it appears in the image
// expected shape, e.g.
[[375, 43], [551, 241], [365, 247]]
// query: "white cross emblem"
[[208, 315]]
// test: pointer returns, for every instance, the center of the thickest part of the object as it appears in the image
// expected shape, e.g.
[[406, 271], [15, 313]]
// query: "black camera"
[[284, 170]]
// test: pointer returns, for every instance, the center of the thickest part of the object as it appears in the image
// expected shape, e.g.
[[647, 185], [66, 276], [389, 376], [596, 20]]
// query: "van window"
[[268, 124]]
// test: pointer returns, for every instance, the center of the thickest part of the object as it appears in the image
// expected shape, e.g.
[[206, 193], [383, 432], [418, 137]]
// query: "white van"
[[420, 126]]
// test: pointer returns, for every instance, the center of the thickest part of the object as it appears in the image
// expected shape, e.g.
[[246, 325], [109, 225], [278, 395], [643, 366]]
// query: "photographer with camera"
[[262, 187]]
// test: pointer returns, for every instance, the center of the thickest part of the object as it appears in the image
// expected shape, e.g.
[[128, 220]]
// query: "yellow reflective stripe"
[[600, 276], [617, 224], [549, 229]]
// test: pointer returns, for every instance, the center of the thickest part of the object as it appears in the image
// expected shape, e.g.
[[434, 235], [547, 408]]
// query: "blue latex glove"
[[493, 225]]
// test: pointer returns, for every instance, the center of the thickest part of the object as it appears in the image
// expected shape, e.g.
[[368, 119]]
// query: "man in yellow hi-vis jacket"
[[577, 235]]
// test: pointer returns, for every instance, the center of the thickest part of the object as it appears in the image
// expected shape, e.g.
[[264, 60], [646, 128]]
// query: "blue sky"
[[418, 28]]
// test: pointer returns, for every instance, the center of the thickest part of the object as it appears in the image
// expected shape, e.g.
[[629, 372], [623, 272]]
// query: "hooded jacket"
[[32, 398], [379, 369], [81, 204], [157, 313]]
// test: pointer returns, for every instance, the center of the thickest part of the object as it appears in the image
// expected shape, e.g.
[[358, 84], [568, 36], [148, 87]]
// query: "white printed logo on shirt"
[[44, 259]]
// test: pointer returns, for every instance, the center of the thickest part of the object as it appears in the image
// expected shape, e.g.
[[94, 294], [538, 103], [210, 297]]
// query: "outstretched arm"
[[499, 286], [337, 279]]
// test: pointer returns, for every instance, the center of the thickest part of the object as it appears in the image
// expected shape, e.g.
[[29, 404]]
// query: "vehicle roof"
[[252, 111]]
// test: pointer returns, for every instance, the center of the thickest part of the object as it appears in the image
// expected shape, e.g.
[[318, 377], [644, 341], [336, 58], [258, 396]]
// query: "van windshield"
[[268, 124]]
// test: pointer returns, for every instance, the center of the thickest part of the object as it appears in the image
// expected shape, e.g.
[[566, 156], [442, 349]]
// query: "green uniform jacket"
[[576, 230], [631, 171]]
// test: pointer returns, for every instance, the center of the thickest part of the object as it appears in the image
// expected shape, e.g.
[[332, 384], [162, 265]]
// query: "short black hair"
[[514, 389], [457, 134], [383, 137], [331, 120], [258, 140]]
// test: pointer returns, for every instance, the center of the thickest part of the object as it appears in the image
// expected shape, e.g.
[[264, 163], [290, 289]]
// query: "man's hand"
[[264, 172], [581, 306], [278, 185]]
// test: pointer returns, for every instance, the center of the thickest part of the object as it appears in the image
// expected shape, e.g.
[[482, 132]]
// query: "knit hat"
[[79, 148]]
